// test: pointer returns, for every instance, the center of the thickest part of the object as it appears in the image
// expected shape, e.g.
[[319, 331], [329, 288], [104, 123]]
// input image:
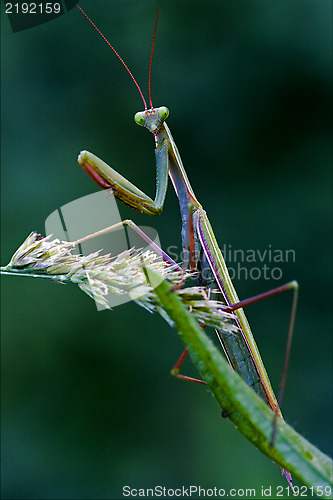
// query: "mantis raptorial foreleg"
[[106, 177]]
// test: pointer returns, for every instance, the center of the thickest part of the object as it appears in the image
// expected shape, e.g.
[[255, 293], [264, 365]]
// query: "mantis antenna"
[[151, 57], [123, 62]]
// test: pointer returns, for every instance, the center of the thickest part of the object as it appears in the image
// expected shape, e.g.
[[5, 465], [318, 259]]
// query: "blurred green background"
[[88, 404]]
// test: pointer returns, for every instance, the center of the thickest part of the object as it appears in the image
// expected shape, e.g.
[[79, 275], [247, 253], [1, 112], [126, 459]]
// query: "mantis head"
[[152, 118]]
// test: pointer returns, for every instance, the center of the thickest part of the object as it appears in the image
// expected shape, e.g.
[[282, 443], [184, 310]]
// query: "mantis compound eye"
[[163, 113], [140, 119]]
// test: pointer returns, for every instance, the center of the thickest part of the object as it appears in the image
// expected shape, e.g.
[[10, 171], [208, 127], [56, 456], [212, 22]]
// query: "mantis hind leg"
[[293, 285], [175, 370]]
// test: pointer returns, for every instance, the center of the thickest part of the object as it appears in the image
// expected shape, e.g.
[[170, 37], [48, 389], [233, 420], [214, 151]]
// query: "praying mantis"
[[199, 243], [285, 199]]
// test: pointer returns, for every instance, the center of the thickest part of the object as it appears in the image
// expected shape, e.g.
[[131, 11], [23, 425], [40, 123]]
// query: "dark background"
[[88, 404]]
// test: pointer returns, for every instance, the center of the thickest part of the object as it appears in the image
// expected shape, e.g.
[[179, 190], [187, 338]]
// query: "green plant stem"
[[250, 415]]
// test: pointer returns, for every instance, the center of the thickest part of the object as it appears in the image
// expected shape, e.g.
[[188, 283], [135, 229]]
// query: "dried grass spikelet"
[[100, 275]]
